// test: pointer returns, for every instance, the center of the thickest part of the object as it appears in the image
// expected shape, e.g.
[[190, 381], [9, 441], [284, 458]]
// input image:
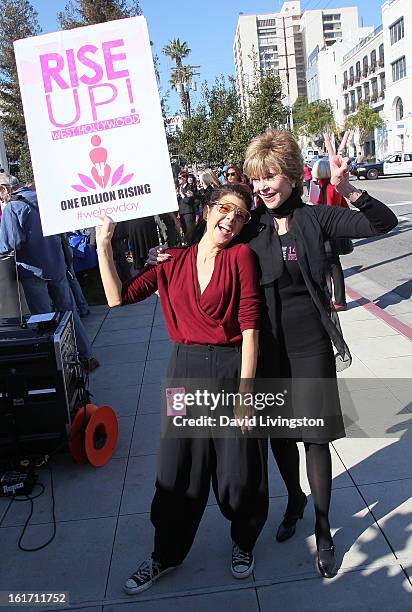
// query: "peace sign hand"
[[339, 166]]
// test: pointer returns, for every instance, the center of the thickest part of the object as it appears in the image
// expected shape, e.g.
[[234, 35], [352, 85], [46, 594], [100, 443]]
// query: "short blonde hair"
[[275, 150], [321, 169]]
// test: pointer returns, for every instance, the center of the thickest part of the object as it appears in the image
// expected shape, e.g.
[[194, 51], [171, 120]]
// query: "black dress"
[[143, 235], [299, 352]]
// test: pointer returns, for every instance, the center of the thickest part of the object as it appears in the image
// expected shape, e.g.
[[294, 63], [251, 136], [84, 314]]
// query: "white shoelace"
[[240, 557], [148, 569]]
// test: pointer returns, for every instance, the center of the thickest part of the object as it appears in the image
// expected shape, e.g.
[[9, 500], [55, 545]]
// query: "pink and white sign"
[[94, 124]]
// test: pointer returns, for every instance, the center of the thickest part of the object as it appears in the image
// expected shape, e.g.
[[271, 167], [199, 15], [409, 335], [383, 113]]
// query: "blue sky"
[[208, 28]]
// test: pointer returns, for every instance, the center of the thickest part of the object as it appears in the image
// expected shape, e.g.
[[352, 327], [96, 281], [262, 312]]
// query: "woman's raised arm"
[[110, 279]]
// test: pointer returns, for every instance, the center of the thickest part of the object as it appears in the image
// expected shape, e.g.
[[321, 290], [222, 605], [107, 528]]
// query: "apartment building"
[[281, 42], [270, 42], [363, 69], [323, 27], [397, 111]]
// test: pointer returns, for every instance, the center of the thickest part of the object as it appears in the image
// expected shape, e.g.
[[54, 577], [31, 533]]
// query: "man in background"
[[40, 259]]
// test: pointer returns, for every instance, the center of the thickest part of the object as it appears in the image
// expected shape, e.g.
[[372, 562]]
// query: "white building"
[[324, 73], [335, 32], [270, 42], [363, 70], [397, 111]]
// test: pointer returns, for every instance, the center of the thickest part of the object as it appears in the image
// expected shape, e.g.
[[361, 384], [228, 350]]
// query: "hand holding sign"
[[105, 231], [95, 125]]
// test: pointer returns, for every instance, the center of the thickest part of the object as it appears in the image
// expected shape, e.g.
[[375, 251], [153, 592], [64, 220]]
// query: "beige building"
[[282, 42], [270, 42], [323, 27]]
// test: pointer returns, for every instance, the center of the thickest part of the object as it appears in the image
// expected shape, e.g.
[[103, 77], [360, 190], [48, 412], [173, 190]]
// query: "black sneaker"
[[145, 575], [242, 562]]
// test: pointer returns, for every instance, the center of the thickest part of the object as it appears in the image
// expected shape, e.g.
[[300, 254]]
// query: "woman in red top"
[[307, 176], [329, 196], [210, 299]]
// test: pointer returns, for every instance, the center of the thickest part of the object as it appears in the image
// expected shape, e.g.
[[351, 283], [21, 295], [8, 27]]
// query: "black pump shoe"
[[287, 527], [326, 562]]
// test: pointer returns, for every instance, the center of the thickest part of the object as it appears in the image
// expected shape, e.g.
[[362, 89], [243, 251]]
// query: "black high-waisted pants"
[[237, 468]]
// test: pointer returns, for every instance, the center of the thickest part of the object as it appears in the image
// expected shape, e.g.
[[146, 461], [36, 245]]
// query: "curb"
[[389, 319]]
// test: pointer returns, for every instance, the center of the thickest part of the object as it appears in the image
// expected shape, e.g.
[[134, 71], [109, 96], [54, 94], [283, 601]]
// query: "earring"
[[293, 185]]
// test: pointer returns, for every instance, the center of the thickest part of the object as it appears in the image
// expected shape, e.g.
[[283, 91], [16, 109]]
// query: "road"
[[386, 262]]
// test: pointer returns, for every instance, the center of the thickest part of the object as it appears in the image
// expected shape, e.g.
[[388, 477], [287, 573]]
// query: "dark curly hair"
[[237, 189]]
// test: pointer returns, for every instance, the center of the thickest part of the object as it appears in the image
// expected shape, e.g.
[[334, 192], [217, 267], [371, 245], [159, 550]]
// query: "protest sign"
[[94, 124]]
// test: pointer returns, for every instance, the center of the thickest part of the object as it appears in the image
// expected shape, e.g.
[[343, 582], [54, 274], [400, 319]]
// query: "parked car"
[[309, 154], [399, 163]]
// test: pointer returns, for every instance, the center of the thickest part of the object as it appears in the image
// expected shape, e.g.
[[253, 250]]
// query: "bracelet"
[[351, 192]]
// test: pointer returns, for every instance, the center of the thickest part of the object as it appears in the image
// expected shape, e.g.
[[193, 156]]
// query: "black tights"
[[319, 471]]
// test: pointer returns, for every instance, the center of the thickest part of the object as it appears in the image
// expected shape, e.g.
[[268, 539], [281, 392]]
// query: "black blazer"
[[311, 227], [187, 203]]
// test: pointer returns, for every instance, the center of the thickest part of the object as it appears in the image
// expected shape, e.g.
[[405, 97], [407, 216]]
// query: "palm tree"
[[181, 75], [179, 80], [366, 119], [176, 50]]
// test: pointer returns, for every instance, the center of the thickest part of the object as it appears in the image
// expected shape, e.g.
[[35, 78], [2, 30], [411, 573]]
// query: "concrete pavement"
[[103, 526]]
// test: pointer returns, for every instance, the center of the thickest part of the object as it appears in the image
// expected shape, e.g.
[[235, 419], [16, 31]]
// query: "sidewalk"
[[103, 525]]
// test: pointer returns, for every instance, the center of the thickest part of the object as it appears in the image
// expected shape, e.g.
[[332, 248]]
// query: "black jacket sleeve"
[[186, 204], [373, 218]]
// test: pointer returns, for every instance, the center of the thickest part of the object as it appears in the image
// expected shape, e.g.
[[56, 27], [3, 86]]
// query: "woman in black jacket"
[[300, 326]]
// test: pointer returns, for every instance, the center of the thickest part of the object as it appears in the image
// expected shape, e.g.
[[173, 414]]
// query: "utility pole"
[[3, 157], [287, 73]]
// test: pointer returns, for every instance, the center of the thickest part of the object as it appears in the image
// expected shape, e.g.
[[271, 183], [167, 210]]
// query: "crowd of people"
[[247, 297]]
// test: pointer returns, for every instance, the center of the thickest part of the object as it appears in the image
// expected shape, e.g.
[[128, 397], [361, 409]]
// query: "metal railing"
[[363, 42]]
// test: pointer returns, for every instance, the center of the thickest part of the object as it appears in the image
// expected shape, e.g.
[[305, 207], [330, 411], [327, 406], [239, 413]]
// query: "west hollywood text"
[[106, 196]]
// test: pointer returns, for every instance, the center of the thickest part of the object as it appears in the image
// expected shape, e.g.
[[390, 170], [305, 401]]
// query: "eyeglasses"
[[225, 208], [231, 173]]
